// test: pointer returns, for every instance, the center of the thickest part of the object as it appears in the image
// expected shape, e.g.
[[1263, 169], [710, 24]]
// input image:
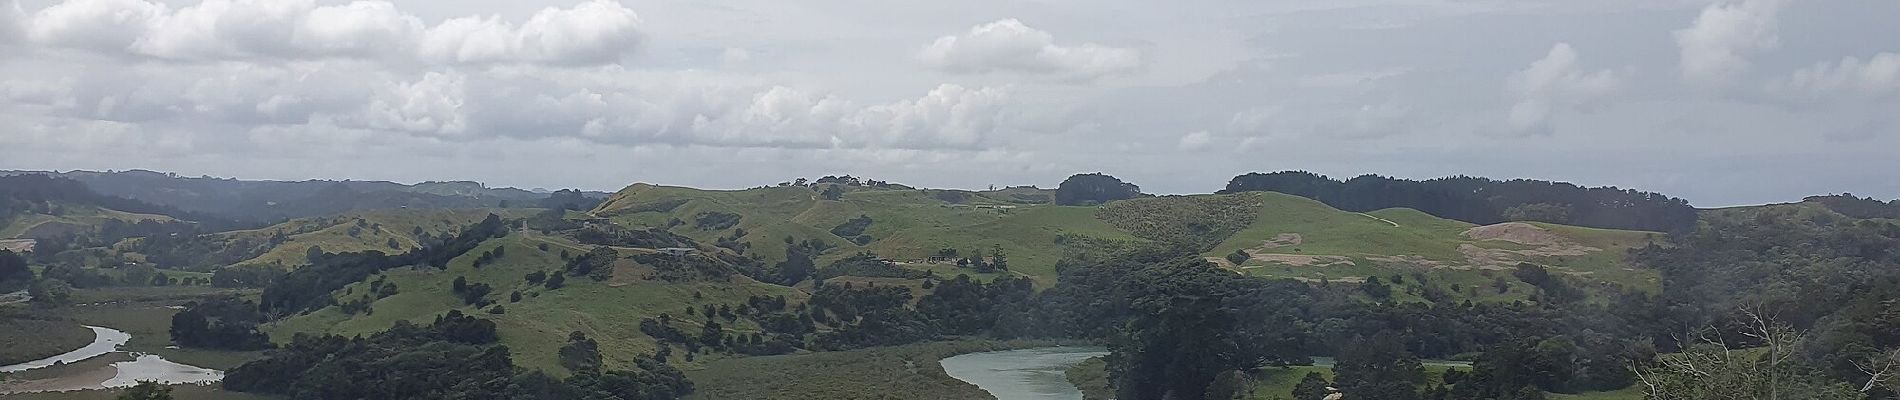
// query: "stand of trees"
[[309, 288], [1095, 188], [1484, 201], [225, 323], [456, 357]]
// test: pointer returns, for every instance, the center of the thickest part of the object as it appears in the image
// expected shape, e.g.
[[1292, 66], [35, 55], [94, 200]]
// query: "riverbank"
[[26, 336], [143, 314], [1028, 374], [900, 372], [104, 340]]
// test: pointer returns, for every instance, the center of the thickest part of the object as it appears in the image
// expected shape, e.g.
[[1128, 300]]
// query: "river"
[[1027, 374], [140, 367]]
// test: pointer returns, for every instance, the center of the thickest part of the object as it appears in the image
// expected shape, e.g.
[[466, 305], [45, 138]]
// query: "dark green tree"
[[1095, 188], [146, 390], [580, 354], [1379, 367], [1311, 387]]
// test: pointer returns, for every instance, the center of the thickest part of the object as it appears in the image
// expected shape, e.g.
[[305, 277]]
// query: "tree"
[[1376, 289], [1095, 188], [1311, 387], [147, 390], [797, 266], [1711, 369], [51, 292], [13, 270], [1379, 368], [1238, 257]]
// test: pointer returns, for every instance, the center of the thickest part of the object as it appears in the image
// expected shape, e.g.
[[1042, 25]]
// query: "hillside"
[[537, 324], [260, 201], [1300, 238], [389, 231], [1282, 235], [907, 225], [70, 218]]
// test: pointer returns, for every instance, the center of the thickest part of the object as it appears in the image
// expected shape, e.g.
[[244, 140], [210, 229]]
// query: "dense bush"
[[1484, 201], [219, 323], [1096, 188]]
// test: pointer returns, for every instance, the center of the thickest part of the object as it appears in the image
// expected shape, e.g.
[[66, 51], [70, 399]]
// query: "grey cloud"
[[1850, 78], [12, 22]]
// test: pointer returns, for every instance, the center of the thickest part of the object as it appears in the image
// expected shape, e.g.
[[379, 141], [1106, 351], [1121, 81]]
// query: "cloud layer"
[[1725, 102], [1010, 46], [591, 33]]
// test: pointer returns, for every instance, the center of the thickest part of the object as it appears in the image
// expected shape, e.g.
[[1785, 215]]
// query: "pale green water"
[[1028, 374]]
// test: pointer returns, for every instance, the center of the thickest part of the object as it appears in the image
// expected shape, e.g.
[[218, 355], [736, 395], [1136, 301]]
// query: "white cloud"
[[1876, 76], [590, 33], [1555, 82], [1715, 49], [949, 116], [1010, 46], [1194, 141], [101, 25], [595, 32], [429, 106]]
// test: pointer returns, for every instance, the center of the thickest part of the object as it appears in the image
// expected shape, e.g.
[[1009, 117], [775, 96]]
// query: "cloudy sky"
[[1721, 102]]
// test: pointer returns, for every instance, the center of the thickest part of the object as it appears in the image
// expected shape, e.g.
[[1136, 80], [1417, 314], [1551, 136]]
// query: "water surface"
[[151, 367], [1027, 374], [142, 367], [104, 340]]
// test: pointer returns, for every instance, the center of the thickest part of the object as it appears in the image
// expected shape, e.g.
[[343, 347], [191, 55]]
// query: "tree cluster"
[[1484, 201]]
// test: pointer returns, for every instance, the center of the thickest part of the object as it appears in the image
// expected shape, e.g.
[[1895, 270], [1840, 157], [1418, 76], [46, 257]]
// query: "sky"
[[1720, 102]]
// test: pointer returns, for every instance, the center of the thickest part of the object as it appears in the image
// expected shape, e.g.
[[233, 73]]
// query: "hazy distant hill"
[[271, 201]]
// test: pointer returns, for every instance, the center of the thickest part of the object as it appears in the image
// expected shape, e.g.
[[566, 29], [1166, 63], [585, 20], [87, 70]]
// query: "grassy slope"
[[75, 215], [1431, 244], [23, 339], [908, 224], [537, 326], [913, 224], [332, 233]]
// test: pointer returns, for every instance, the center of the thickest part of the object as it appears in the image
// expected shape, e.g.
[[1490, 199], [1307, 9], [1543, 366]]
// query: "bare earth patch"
[[1283, 240], [1487, 258], [1547, 243], [1515, 232], [1302, 261], [1407, 260], [17, 245]]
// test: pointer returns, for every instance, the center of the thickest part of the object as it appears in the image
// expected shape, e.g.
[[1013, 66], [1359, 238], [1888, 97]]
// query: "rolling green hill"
[[1282, 235], [70, 218], [360, 231], [536, 326]]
